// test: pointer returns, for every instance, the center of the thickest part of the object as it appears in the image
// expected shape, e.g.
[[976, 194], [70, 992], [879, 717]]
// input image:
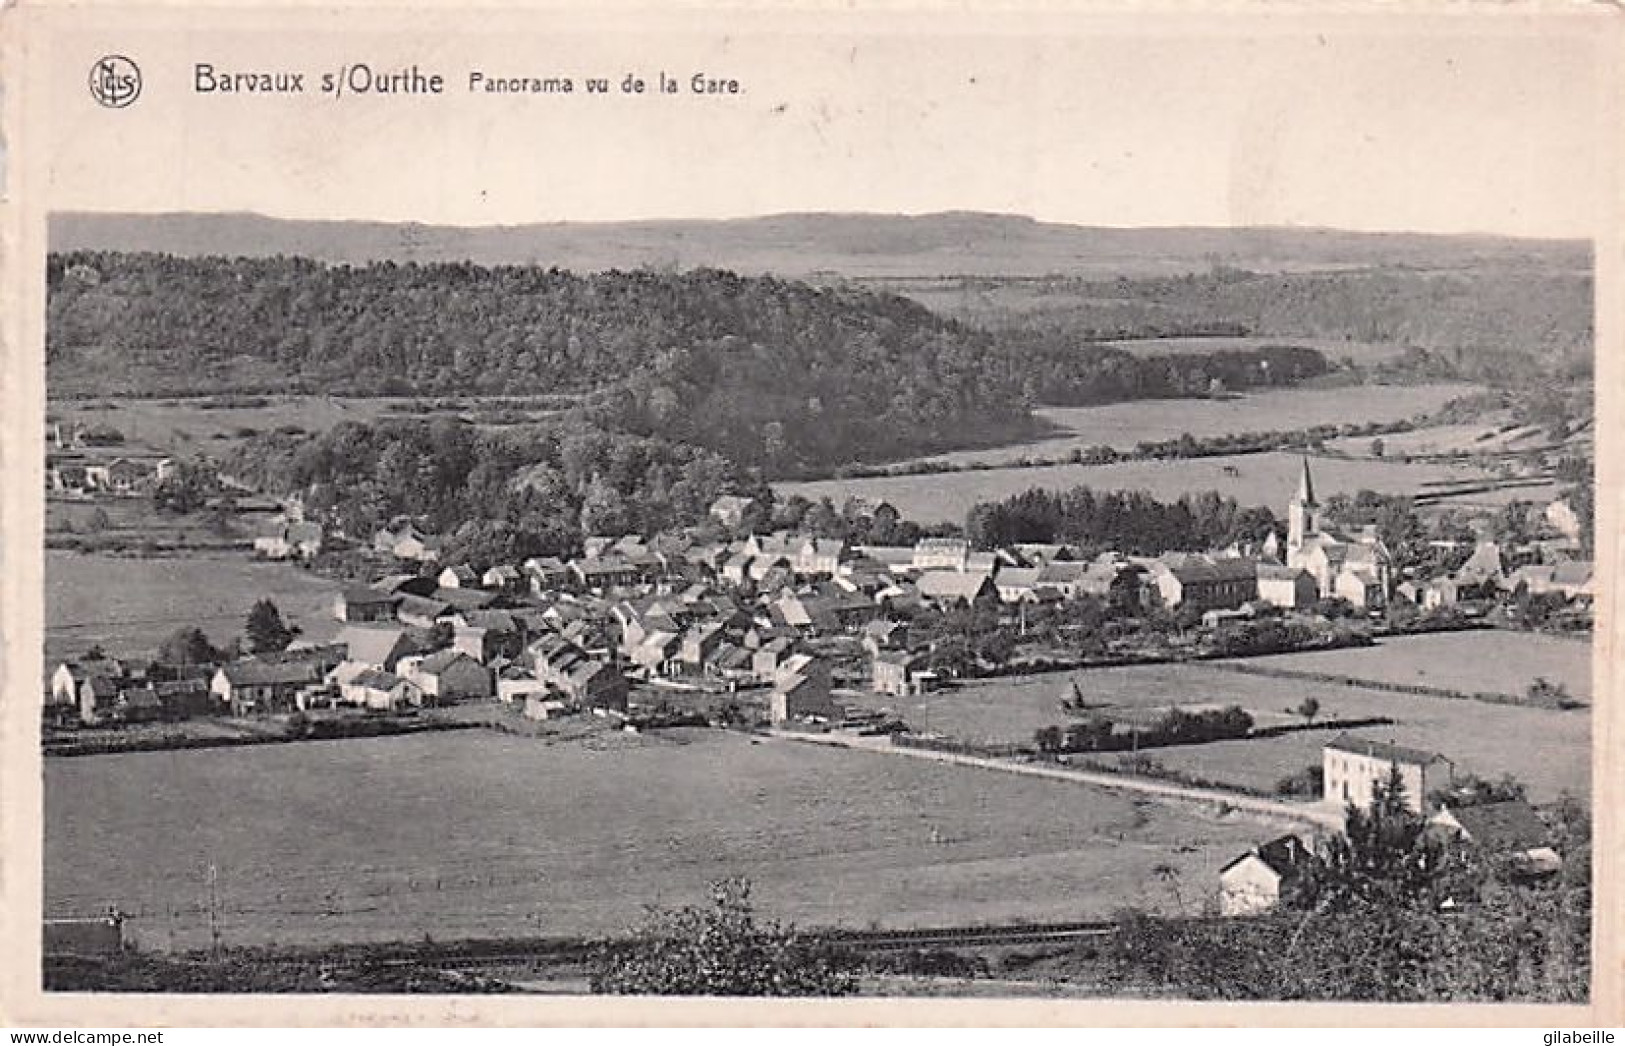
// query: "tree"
[[187, 646], [266, 632], [722, 949], [1377, 447], [98, 521], [1048, 739], [1309, 709]]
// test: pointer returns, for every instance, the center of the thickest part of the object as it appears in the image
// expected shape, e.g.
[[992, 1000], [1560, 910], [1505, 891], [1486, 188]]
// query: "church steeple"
[[1306, 486], [1301, 522]]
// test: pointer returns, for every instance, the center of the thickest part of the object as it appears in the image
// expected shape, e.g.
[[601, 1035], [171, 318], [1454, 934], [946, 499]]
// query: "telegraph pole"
[[213, 879]]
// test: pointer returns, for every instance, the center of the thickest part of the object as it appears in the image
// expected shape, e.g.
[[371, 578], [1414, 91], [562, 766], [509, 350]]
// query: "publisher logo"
[[115, 81]]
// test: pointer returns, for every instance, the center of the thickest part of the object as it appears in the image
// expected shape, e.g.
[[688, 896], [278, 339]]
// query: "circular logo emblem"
[[115, 81]]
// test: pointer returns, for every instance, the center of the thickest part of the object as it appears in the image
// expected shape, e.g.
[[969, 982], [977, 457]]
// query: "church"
[[1355, 567]]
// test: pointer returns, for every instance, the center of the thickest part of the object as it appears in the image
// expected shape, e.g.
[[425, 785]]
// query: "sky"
[[1465, 124]]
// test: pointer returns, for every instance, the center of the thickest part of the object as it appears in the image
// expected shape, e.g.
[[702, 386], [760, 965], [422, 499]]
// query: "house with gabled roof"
[[447, 676], [253, 686], [1510, 828], [802, 689], [365, 603], [1255, 882]]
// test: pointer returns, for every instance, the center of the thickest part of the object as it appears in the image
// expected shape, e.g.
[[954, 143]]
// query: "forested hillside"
[[767, 372], [763, 370]]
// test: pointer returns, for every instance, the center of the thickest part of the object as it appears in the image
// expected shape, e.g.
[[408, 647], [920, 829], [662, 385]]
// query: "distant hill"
[[804, 245]]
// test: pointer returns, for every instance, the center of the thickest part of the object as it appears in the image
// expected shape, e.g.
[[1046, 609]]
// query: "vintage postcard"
[[819, 514]]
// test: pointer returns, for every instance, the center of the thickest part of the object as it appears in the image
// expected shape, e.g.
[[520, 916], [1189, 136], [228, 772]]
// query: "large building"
[[1357, 568], [1353, 768]]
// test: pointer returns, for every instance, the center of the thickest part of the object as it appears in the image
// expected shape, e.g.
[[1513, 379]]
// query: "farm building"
[[382, 691], [1255, 882], [801, 688], [263, 686], [945, 587], [363, 603], [1352, 767], [1204, 582], [1291, 588], [375, 646]]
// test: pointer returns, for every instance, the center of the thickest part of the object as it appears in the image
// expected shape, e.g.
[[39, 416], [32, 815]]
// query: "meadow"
[[128, 605], [1124, 425], [1548, 750], [1257, 479], [1481, 661], [482, 834]]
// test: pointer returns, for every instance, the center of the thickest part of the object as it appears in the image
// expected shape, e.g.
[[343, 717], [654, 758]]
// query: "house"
[[404, 540], [1204, 582], [70, 678], [656, 652], [378, 690], [699, 643], [901, 673], [263, 686], [940, 554], [515, 683], [421, 611], [582, 679], [819, 557], [374, 646], [767, 659], [1021, 585], [1573, 580], [1351, 768], [1255, 882], [1291, 588], [730, 509], [365, 603], [284, 539], [1506, 829], [949, 587], [484, 644], [546, 573], [460, 576], [884, 634], [801, 689], [503, 578], [448, 676]]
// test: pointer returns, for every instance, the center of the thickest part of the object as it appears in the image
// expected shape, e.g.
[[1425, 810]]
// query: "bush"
[[1308, 782]]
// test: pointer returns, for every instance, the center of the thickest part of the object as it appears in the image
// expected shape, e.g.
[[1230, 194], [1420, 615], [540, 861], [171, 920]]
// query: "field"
[[1123, 425], [196, 426], [1484, 661], [129, 605], [1548, 750], [476, 834], [1259, 479]]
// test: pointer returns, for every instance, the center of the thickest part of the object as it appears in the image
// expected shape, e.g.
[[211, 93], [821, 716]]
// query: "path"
[[1311, 813]]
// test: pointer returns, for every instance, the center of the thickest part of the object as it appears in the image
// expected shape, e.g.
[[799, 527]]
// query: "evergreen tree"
[[265, 629]]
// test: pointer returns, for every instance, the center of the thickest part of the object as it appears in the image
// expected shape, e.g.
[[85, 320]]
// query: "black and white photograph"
[[827, 508]]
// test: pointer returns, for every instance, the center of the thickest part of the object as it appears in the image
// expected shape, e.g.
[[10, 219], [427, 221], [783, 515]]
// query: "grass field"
[[130, 604], [1259, 479], [1490, 661], [1123, 425], [327, 841], [1548, 750]]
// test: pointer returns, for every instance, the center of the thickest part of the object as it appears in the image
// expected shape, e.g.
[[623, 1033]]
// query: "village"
[[802, 636]]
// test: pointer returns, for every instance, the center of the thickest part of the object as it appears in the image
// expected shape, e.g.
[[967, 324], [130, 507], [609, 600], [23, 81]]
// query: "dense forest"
[[767, 372]]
